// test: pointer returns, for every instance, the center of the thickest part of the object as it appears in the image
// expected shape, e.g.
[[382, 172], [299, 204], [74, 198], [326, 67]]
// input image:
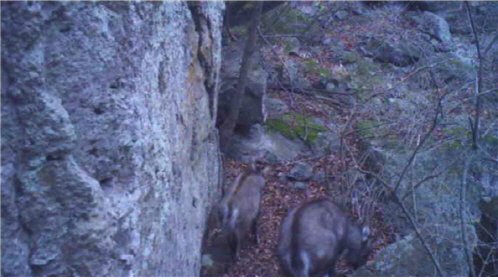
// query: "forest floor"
[[278, 197]]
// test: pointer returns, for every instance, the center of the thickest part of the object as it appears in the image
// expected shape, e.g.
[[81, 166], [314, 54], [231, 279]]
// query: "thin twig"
[[342, 136], [432, 176], [324, 92], [475, 132], [419, 235], [485, 261], [412, 221], [389, 187], [284, 66], [426, 136], [463, 222], [408, 76], [398, 184], [414, 188], [487, 156], [490, 45]]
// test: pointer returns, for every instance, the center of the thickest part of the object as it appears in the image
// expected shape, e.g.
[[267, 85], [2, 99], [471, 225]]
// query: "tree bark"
[[226, 129]]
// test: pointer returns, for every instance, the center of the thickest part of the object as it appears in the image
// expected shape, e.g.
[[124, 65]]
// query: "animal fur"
[[313, 236], [240, 207]]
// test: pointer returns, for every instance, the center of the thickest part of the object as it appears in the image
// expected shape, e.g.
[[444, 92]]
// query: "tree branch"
[[226, 129], [462, 216], [419, 235], [426, 136], [490, 45], [284, 66], [475, 132]]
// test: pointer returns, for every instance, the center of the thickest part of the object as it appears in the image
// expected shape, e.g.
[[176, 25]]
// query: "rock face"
[[109, 154], [408, 257]]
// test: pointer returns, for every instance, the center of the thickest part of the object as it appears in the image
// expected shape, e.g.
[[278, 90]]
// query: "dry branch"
[[475, 130], [462, 216]]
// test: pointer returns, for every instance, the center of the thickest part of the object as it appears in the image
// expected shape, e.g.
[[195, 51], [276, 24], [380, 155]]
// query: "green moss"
[[365, 127], [491, 140], [452, 145], [239, 30], [311, 66], [365, 67], [281, 126], [287, 46], [365, 75], [349, 57], [455, 131], [281, 25], [293, 125]]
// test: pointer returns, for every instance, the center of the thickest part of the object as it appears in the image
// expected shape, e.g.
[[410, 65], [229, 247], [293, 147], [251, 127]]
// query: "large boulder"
[[454, 71], [109, 155], [435, 26], [434, 6], [301, 172], [266, 145], [408, 257], [400, 54]]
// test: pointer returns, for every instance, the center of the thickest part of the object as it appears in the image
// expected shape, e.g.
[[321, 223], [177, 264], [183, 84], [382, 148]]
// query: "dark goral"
[[313, 236]]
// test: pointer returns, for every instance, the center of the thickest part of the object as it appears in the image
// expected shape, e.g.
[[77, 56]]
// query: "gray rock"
[[455, 71], [320, 177], [275, 106], [327, 41], [348, 57], [266, 144], [407, 257], [433, 25], [341, 15], [357, 8], [282, 177], [330, 86], [435, 6], [293, 72], [109, 157], [292, 44], [301, 172], [400, 54], [325, 142], [299, 185]]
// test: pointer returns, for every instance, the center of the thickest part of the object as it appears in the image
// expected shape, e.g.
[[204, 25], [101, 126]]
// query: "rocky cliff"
[[109, 156]]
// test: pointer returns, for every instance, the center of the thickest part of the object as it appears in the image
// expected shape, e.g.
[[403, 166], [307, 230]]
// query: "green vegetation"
[[239, 30], [293, 125], [491, 140], [365, 127], [287, 22], [311, 66]]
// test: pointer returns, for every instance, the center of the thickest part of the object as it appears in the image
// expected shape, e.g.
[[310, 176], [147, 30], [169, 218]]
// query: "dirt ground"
[[260, 260]]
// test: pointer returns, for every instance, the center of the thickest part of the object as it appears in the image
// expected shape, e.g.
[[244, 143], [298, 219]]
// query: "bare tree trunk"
[[475, 131], [226, 129]]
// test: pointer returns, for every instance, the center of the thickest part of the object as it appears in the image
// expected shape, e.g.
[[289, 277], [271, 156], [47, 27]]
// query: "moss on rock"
[[293, 125]]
